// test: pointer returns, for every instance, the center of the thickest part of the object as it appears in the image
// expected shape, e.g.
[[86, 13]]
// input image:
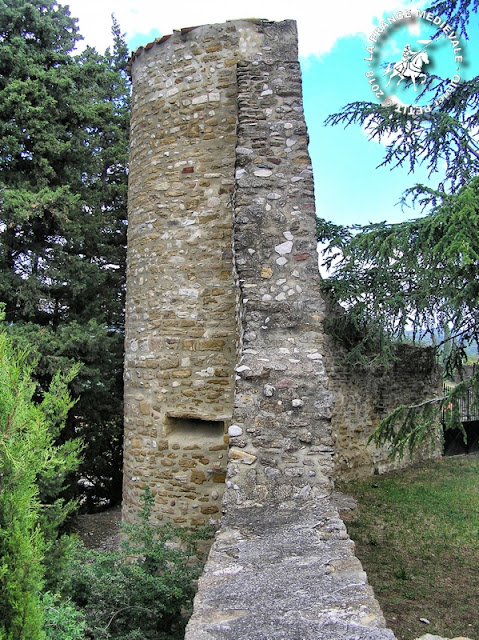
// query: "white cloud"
[[414, 27], [319, 25]]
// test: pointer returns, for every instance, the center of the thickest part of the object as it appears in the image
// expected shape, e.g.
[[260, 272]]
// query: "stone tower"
[[228, 371], [229, 375], [223, 307]]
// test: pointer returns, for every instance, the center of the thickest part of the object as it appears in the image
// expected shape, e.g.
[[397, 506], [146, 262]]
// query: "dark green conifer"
[[63, 177]]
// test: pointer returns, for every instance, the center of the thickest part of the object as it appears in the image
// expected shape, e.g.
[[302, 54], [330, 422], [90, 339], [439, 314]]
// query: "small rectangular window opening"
[[190, 430]]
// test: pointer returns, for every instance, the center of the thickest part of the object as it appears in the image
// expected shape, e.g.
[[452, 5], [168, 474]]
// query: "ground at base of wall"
[[428, 636], [99, 531], [416, 535]]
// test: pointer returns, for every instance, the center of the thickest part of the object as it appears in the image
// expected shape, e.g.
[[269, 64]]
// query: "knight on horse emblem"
[[410, 65]]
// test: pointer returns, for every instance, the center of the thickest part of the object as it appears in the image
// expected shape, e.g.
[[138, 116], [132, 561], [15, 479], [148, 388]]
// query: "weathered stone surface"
[[285, 572], [225, 343], [279, 378], [235, 430], [242, 456]]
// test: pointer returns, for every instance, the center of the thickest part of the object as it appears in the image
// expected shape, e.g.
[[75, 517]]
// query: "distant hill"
[[471, 350]]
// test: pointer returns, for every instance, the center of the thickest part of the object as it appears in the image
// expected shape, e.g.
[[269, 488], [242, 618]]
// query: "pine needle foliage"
[[419, 279]]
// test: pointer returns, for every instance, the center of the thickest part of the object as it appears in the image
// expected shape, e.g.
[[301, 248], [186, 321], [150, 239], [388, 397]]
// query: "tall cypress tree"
[[63, 154]]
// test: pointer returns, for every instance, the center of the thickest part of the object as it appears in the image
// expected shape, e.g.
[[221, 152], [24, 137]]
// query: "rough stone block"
[[198, 477], [210, 345]]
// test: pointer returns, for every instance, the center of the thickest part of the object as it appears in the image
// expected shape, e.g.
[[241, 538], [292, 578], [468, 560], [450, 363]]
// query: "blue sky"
[[349, 188]]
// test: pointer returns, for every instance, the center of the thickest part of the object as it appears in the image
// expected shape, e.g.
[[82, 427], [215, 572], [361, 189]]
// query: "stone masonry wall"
[[363, 397], [282, 565], [280, 441], [181, 338]]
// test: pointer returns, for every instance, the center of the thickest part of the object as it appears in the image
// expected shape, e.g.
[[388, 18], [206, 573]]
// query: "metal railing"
[[468, 405]]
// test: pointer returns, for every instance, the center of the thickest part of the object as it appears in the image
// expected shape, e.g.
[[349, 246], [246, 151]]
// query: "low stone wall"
[[285, 572], [365, 396]]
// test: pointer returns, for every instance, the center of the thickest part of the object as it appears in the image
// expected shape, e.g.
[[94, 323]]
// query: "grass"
[[417, 536]]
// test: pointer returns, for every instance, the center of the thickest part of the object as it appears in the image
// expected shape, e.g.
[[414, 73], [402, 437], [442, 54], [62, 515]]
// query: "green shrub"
[[63, 620], [143, 592], [32, 471]]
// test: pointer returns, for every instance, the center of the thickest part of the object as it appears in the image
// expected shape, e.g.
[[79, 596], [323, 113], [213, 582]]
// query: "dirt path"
[[100, 530]]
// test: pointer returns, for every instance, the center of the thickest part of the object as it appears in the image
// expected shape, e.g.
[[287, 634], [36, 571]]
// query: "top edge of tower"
[[283, 33]]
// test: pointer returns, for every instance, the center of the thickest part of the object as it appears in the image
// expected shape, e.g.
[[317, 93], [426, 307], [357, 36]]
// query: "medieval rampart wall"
[[366, 395], [282, 411]]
